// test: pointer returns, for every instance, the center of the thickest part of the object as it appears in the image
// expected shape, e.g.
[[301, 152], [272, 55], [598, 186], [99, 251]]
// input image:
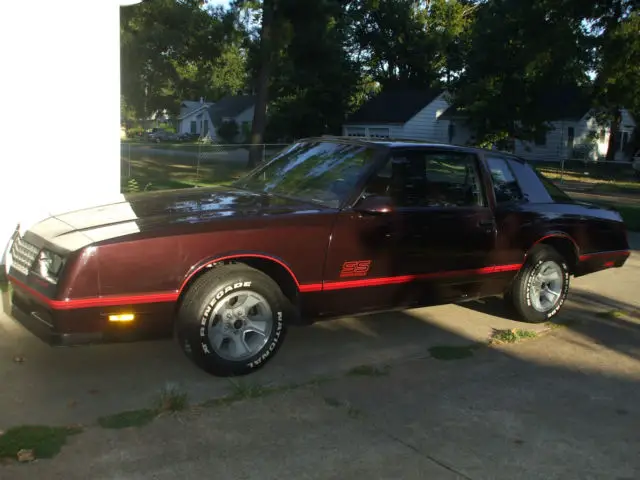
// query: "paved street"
[[559, 406]]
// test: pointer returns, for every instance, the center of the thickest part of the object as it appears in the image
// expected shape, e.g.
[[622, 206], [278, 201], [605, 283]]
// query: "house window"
[[625, 140], [205, 128], [451, 133], [193, 127], [379, 132], [540, 137]]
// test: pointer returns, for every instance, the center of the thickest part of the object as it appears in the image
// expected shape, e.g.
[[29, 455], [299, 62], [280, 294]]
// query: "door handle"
[[488, 225]]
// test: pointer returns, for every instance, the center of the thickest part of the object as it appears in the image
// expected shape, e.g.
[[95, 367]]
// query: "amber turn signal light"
[[126, 317]]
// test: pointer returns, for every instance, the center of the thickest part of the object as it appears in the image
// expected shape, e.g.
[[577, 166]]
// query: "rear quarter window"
[[536, 187]]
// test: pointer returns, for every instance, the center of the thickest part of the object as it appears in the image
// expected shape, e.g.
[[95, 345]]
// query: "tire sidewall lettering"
[[205, 324], [563, 295], [273, 344], [221, 292]]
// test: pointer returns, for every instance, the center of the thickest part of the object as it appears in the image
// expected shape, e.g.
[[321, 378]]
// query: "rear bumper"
[[595, 262]]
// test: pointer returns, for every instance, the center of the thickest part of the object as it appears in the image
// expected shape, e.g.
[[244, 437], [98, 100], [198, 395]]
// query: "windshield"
[[318, 172]]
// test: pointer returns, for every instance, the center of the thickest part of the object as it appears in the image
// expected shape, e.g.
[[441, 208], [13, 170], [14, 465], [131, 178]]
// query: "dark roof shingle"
[[393, 106], [230, 106]]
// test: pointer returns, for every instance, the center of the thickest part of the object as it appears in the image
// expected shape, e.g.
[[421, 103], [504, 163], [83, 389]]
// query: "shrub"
[[227, 131]]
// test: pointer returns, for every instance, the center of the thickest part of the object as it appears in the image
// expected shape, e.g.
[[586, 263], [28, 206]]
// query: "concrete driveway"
[[560, 406]]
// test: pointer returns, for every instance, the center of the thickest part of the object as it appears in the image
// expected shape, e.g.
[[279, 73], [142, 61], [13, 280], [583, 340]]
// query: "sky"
[[218, 2]]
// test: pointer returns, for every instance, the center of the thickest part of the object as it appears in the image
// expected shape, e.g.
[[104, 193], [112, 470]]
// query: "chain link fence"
[[588, 170], [152, 166]]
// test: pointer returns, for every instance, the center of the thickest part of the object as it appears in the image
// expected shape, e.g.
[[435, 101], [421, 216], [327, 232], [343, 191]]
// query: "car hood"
[[148, 211]]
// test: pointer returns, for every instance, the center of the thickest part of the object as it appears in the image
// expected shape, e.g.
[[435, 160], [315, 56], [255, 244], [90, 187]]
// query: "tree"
[[618, 70], [172, 50], [262, 88], [520, 51]]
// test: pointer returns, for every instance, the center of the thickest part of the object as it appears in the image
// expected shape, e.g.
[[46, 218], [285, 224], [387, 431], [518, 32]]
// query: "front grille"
[[23, 254]]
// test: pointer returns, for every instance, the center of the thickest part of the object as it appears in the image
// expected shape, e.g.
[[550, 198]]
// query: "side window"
[[429, 179], [505, 185]]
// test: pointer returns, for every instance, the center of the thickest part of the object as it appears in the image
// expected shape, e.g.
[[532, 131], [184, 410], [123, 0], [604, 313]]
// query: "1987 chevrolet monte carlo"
[[328, 227]]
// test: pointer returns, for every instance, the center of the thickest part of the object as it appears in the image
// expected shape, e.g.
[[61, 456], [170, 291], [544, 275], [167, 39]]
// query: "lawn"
[[147, 173], [601, 177], [631, 216]]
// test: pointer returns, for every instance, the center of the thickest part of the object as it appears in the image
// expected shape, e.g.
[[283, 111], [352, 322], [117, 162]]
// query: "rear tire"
[[232, 320], [541, 287]]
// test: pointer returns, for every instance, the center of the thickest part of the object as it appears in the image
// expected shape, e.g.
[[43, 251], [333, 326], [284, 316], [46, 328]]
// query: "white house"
[[427, 115], [573, 131], [410, 114], [202, 117]]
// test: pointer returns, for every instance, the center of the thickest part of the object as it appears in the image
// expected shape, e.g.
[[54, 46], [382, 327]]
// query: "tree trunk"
[[262, 93], [613, 133]]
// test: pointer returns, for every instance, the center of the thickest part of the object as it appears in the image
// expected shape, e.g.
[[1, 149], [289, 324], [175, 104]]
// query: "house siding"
[[425, 124], [198, 117], [244, 118], [557, 145]]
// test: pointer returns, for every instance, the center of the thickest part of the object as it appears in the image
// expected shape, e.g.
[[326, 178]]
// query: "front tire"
[[232, 320], [541, 287]]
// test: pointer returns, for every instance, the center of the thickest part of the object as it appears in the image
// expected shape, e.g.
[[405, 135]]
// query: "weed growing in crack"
[[511, 335], [171, 399]]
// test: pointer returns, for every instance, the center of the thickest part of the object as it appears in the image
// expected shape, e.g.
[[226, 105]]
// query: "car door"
[[433, 245]]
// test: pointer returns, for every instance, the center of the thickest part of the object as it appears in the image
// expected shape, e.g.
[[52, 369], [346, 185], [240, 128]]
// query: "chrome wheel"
[[546, 286], [240, 325]]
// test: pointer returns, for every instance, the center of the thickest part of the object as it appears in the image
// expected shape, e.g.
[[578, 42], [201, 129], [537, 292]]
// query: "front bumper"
[[42, 324], [44, 331], [85, 326]]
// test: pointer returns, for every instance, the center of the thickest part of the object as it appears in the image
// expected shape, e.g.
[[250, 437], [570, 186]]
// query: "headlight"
[[49, 265]]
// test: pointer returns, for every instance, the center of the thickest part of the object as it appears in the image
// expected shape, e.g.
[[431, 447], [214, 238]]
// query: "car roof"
[[408, 143]]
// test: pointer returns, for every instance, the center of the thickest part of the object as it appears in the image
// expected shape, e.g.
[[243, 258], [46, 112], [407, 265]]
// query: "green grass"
[[611, 314], [631, 216], [630, 213], [589, 171], [45, 442], [131, 418], [617, 187], [513, 335], [165, 174], [170, 399]]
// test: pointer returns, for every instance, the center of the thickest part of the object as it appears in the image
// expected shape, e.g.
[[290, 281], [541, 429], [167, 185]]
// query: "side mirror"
[[374, 205]]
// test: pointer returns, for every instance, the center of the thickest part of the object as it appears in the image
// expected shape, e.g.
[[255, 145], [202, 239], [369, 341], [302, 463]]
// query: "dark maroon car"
[[330, 226]]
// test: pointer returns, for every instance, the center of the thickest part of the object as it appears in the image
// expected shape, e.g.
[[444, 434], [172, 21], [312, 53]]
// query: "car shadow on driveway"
[[598, 319], [42, 384], [556, 407]]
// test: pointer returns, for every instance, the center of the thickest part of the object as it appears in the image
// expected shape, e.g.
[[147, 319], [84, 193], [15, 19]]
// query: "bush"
[[134, 132], [227, 131], [167, 127]]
